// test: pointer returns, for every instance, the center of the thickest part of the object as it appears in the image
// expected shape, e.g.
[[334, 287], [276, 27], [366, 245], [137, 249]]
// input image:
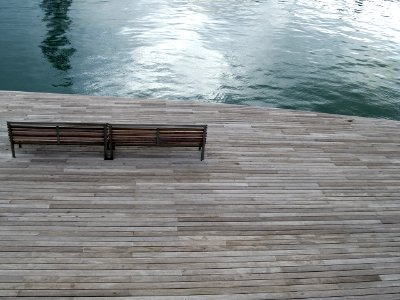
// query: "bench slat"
[[83, 141], [62, 134]]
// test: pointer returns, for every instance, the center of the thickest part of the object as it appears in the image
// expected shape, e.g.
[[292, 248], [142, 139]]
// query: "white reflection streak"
[[172, 51]]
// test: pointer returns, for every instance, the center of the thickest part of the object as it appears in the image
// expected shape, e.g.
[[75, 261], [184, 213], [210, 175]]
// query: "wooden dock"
[[286, 205]]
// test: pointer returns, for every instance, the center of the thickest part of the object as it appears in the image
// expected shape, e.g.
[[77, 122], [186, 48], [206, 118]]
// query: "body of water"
[[328, 56]]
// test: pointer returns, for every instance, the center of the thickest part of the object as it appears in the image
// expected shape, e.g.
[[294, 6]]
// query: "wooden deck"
[[286, 205]]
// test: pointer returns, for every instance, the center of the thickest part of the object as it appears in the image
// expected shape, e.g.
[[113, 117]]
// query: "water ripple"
[[331, 56]]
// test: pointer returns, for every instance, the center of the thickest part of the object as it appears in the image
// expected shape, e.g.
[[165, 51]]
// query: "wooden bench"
[[107, 135], [89, 134], [158, 135]]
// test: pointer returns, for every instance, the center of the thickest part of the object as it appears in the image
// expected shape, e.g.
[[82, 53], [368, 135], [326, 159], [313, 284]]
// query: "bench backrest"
[[158, 135], [56, 133]]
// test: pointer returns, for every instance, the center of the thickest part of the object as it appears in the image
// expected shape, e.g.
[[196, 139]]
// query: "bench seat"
[[50, 133], [159, 135]]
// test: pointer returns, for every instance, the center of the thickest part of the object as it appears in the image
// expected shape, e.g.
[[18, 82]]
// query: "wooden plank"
[[288, 204]]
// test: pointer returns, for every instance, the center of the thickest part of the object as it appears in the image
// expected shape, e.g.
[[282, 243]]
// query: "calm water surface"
[[328, 56]]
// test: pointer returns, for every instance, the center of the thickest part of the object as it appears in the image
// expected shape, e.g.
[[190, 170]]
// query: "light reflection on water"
[[173, 57], [330, 56]]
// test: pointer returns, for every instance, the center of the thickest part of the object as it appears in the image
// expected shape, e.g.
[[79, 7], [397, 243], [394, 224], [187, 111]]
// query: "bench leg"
[[202, 153], [111, 149], [105, 153], [12, 150], [111, 154], [19, 146], [108, 152], [105, 150]]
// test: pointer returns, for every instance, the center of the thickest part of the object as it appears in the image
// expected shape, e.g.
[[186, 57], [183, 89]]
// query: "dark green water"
[[327, 56]]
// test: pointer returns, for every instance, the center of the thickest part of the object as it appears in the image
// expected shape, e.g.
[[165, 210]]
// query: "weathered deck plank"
[[286, 205]]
